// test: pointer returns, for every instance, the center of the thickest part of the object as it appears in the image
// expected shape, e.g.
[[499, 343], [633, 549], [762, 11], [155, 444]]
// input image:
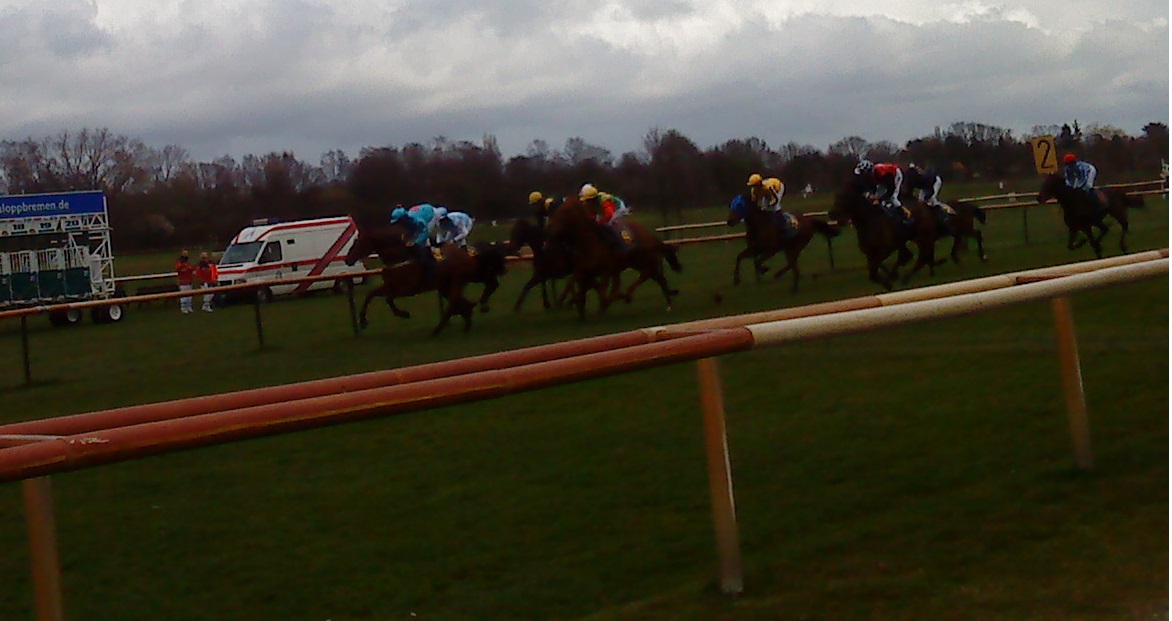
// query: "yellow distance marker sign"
[[1045, 154]]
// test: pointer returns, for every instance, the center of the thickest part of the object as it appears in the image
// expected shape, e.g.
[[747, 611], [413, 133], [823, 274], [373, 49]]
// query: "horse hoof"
[[669, 308]]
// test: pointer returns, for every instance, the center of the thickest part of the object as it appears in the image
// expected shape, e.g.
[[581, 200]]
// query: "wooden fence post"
[[720, 477]]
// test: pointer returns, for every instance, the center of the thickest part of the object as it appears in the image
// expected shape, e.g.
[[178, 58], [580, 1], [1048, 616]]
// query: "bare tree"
[[851, 147]]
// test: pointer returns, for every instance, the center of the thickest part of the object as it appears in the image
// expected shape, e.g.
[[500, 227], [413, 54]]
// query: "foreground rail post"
[[1076, 404], [42, 538], [720, 477], [28, 367]]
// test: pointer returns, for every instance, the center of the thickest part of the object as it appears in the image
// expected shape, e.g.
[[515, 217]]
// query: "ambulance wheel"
[[113, 313], [264, 295]]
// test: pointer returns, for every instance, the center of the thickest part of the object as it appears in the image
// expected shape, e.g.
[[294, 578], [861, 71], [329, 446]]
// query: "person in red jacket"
[[185, 273], [209, 275]]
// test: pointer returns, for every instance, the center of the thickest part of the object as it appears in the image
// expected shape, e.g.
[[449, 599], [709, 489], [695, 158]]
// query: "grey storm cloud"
[[253, 76]]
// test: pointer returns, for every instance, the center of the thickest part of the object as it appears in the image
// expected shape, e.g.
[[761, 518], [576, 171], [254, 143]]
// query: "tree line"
[[160, 197]]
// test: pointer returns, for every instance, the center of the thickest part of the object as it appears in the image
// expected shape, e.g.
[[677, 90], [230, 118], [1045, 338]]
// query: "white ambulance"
[[268, 252]]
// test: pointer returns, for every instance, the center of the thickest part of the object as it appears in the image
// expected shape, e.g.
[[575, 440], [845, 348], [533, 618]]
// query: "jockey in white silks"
[[451, 226]]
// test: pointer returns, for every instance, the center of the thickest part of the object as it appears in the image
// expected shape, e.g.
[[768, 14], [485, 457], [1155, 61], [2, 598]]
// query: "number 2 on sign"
[[1045, 154]]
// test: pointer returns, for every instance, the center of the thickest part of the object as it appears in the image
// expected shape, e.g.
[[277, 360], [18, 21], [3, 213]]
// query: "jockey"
[[418, 222], [766, 193], [608, 210], [925, 183], [543, 207], [1081, 175], [883, 181], [451, 226]]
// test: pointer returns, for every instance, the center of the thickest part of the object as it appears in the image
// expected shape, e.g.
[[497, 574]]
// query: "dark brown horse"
[[1081, 214], [551, 262], [960, 225], [879, 236], [596, 261], [766, 234], [403, 277], [955, 219]]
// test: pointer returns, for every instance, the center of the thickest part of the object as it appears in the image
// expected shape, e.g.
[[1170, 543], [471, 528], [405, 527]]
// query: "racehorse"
[[961, 225], [596, 261], [879, 236], [1080, 214], [766, 235], [551, 262], [402, 277]]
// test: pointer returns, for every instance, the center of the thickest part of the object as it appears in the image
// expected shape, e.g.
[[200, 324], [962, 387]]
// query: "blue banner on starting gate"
[[62, 204]]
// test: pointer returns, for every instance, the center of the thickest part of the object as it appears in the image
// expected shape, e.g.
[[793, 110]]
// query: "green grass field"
[[917, 473]]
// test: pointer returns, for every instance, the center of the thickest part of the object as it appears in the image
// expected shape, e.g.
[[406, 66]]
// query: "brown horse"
[[1080, 214], [596, 261], [961, 225], [403, 277], [879, 236], [766, 234], [551, 262]]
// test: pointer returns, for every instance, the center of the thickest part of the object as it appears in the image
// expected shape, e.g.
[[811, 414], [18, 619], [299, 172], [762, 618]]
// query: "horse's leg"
[[568, 291], [661, 279], [1070, 239], [490, 287], [533, 281], [1096, 242], [954, 254], [380, 290], [1121, 218], [457, 303], [873, 265], [583, 282], [398, 312], [544, 294], [901, 260], [977, 235], [737, 264], [791, 264]]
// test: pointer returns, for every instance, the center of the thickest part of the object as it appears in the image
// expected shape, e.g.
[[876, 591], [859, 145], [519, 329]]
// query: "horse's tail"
[[671, 256], [825, 229]]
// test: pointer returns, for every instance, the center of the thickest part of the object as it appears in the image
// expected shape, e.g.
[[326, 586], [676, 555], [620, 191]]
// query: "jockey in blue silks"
[[418, 222], [1081, 175]]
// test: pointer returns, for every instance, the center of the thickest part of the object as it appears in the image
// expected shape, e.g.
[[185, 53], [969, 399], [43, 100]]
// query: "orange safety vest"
[[184, 270], [208, 273]]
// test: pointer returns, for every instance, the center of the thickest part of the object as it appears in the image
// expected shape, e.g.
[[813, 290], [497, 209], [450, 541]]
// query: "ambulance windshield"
[[241, 253]]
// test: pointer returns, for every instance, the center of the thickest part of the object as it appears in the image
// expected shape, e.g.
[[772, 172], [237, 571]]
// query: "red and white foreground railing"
[[33, 450]]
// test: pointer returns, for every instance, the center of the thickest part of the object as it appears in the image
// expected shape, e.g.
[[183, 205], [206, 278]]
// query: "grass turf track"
[[923, 472]]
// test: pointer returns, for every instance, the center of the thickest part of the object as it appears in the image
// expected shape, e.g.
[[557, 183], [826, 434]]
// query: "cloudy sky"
[[253, 76]]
